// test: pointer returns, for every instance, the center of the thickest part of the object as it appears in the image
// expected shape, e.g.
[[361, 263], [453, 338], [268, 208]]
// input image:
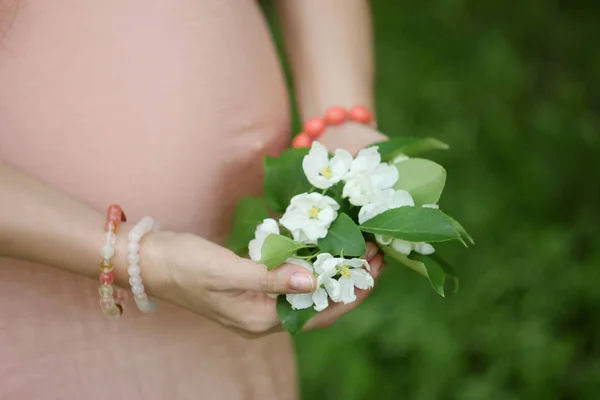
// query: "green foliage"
[[409, 146], [249, 213], [276, 249], [423, 179], [293, 320], [414, 224], [284, 178], [516, 97], [344, 237]]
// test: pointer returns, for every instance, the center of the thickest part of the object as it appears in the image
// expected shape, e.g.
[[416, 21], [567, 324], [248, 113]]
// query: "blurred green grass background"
[[514, 88]]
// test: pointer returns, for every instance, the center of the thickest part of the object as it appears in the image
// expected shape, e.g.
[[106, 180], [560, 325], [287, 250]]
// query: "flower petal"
[[333, 289], [401, 198], [300, 301], [358, 263], [340, 163], [319, 297], [383, 239], [320, 261], [300, 263], [384, 177], [423, 248], [361, 279], [402, 246], [268, 225], [347, 295], [359, 190], [255, 249], [366, 161]]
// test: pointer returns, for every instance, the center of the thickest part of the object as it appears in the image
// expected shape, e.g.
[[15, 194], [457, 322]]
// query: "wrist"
[[154, 263], [332, 118]]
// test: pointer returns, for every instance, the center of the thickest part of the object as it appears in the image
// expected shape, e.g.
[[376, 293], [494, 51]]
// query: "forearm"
[[39, 223], [329, 46]]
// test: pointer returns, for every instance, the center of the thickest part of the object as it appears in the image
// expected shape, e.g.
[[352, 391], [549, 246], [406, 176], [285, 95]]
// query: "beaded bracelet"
[[314, 127], [110, 299], [145, 304]]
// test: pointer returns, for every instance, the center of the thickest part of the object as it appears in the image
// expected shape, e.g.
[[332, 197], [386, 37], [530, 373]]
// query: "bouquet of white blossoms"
[[319, 209]]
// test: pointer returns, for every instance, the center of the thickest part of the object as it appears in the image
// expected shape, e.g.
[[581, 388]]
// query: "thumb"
[[286, 278]]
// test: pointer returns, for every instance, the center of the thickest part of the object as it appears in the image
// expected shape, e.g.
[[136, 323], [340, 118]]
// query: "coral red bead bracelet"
[[314, 127], [110, 299]]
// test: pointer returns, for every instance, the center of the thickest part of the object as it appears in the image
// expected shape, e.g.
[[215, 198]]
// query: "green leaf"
[[462, 231], [449, 270], [293, 320], [414, 224], [284, 178], [423, 179], [249, 213], [276, 249], [343, 237], [417, 266], [428, 266], [410, 146]]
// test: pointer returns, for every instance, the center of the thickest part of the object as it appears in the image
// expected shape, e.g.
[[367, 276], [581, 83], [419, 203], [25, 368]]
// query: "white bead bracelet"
[[145, 304]]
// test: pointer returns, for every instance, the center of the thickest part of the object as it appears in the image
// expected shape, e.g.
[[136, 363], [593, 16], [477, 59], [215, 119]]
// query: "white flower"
[[322, 172], [352, 275], [383, 201], [309, 216], [267, 227], [367, 176], [306, 300], [387, 200]]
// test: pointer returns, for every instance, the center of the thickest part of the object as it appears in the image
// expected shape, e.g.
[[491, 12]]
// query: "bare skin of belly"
[[166, 108]]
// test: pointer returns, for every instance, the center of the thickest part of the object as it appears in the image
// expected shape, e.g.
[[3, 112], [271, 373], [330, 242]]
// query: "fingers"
[[337, 310], [286, 278], [371, 252]]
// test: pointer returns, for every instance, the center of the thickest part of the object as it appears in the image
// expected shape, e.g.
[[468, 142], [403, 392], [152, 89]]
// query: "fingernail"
[[301, 282]]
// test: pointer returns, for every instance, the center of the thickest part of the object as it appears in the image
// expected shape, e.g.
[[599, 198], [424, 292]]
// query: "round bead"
[[138, 289], [301, 140], [107, 302], [108, 251], [135, 281], [109, 226], [360, 114], [134, 236], [314, 127], [140, 297], [335, 115], [113, 312], [133, 247], [105, 290], [106, 266], [111, 237], [114, 214], [133, 258], [107, 278], [133, 270]]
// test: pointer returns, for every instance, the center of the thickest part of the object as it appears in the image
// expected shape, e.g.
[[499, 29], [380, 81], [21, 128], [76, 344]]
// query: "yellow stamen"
[[344, 271], [313, 212], [326, 172]]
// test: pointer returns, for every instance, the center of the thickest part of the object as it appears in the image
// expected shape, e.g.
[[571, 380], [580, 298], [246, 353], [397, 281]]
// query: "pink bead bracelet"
[[110, 299], [314, 127]]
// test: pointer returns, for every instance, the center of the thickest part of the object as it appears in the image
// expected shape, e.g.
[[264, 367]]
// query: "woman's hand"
[[212, 281], [350, 136]]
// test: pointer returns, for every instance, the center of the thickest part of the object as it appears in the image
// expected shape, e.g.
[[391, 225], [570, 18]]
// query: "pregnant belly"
[[164, 107]]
